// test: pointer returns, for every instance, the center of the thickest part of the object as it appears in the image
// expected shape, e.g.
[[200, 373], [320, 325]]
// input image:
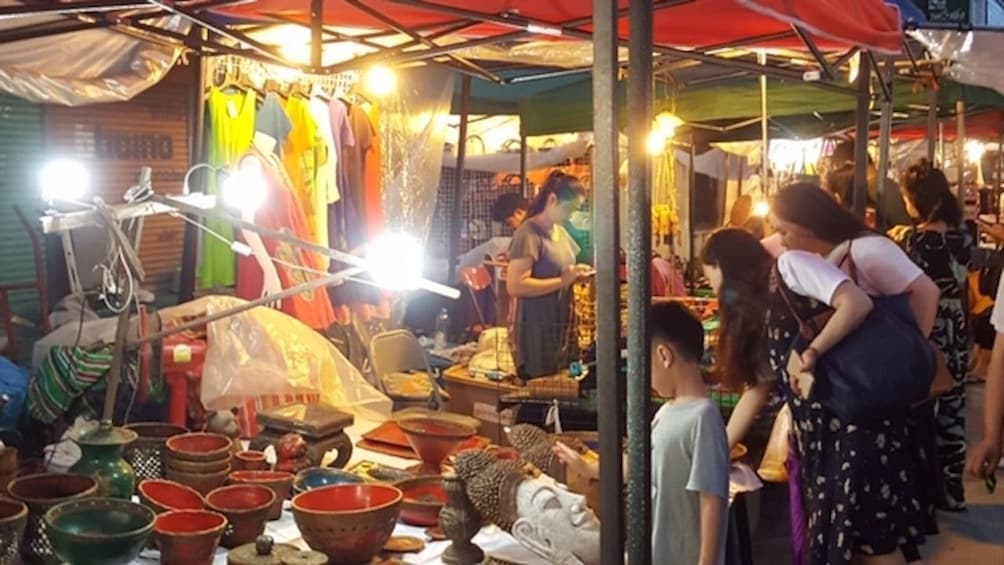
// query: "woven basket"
[[146, 454], [13, 518]]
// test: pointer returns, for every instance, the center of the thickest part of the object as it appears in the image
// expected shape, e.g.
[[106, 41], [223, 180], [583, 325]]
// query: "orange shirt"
[[373, 179]]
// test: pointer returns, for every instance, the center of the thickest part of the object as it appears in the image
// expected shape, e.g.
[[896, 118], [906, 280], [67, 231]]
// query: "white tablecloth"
[[491, 539], [495, 542]]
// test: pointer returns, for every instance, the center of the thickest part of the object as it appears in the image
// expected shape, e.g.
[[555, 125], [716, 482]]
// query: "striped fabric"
[[65, 375]]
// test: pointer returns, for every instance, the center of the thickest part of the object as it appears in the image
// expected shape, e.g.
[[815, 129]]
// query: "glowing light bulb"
[[975, 150], [656, 143], [667, 124], [244, 189], [761, 208], [379, 81], [394, 260], [64, 179]]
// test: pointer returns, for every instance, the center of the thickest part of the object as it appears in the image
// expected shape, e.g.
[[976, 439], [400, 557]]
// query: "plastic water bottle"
[[442, 329]]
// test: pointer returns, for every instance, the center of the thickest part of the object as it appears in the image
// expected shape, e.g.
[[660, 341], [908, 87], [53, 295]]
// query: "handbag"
[[884, 365], [773, 466]]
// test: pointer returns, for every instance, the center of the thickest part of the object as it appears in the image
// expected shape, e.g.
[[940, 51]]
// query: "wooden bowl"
[[281, 483], [434, 439], [146, 454], [250, 461], [424, 497], [188, 537], [166, 496], [99, 531], [13, 519], [199, 447], [319, 477], [198, 467], [40, 493], [348, 523], [246, 508], [200, 482]]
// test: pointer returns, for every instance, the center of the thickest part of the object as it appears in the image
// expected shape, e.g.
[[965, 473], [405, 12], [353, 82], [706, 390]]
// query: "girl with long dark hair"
[[859, 499], [942, 246], [541, 271]]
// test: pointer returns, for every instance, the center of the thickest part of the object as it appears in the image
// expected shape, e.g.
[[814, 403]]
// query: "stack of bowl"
[[198, 460], [146, 454], [246, 509]]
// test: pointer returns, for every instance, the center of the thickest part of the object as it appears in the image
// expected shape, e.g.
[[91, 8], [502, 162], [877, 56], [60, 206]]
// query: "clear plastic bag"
[[263, 352]]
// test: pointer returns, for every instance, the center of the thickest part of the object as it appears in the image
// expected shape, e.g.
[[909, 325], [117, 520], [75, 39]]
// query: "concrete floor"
[[974, 537]]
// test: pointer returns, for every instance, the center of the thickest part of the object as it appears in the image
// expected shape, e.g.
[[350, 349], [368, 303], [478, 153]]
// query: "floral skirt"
[[863, 486]]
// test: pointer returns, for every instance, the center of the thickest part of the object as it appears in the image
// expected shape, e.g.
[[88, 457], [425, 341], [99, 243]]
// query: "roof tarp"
[[568, 108], [866, 23]]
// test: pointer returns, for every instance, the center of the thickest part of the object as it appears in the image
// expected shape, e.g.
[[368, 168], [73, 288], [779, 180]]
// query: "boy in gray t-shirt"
[[690, 452]]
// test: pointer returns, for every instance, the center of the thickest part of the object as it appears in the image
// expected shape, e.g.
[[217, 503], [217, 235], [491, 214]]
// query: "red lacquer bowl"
[[250, 461], [246, 508], [188, 537], [424, 497], [349, 523], [434, 440], [199, 447], [163, 496], [281, 484]]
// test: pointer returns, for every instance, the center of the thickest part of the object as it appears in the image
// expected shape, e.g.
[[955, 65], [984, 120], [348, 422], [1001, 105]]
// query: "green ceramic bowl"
[[99, 531]]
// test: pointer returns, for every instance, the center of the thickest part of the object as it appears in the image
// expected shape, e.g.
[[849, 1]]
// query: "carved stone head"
[[541, 514]]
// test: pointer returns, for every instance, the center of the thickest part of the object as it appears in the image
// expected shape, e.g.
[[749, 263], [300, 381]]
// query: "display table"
[[495, 542]]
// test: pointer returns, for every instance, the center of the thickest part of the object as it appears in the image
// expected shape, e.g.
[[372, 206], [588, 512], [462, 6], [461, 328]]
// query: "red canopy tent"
[[869, 24], [983, 125]]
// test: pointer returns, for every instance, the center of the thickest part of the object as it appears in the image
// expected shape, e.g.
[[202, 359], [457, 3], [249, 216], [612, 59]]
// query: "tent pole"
[[639, 260], [885, 132], [197, 151], [606, 258], [316, 33], [458, 184], [691, 202], [860, 199], [524, 185], [999, 185], [761, 57], [960, 149], [932, 122]]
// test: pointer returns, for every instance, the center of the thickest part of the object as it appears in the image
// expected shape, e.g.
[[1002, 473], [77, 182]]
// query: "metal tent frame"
[[212, 34]]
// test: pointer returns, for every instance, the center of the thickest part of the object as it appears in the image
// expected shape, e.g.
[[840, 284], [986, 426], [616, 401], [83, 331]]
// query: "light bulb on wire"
[[394, 260], [379, 81], [244, 189], [64, 180]]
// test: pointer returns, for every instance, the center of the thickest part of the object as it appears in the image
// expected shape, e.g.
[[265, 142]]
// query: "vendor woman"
[[542, 269]]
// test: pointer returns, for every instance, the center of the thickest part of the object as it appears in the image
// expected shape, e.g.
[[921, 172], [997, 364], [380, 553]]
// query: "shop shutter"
[[20, 158], [115, 140]]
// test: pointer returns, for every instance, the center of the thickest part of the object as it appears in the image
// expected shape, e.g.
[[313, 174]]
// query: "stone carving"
[[541, 514]]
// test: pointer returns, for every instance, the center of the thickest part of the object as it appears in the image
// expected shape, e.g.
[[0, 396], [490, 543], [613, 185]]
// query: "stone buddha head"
[[540, 513]]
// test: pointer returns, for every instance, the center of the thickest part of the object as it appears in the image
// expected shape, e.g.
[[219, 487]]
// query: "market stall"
[[286, 215]]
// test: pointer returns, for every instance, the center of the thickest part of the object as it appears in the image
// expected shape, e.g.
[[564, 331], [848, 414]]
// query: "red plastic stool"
[[181, 362]]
